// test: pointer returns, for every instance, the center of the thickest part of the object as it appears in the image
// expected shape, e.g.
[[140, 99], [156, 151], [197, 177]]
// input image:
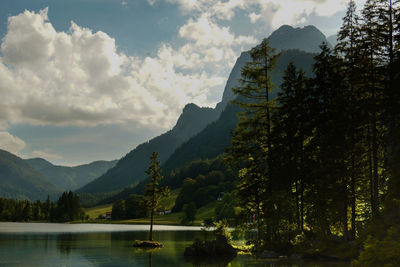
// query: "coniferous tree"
[[290, 124], [348, 48], [251, 143], [371, 48], [328, 184], [153, 192]]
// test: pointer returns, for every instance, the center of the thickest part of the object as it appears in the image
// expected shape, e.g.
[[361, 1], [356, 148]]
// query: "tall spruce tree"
[[371, 48], [347, 48], [153, 192], [290, 131], [328, 194], [251, 143]]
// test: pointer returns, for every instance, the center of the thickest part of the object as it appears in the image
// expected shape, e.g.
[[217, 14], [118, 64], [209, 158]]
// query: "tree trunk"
[[151, 225], [353, 199], [298, 206]]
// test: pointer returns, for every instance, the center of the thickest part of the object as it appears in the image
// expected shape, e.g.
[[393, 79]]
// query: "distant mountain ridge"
[[130, 169], [286, 38], [307, 39], [211, 135], [21, 181], [70, 178]]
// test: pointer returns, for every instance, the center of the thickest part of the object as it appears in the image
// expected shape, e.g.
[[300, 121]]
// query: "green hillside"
[[20, 181], [130, 169], [70, 178], [199, 133]]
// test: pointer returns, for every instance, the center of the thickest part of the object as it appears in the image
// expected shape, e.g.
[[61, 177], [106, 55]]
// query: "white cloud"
[[273, 12], [124, 3], [45, 154], [11, 143], [254, 17], [79, 78]]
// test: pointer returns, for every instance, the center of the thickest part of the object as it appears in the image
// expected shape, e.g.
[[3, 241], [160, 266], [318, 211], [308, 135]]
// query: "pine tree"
[[154, 193], [371, 48], [251, 143], [290, 122], [348, 48]]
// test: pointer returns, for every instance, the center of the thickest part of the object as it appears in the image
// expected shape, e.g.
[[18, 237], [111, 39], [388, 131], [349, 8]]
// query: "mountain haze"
[[209, 133], [21, 181], [307, 39], [212, 141], [70, 178], [131, 168]]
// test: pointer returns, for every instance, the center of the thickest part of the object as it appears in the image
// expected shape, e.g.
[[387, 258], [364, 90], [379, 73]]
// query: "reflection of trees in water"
[[150, 258], [65, 242], [115, 248]]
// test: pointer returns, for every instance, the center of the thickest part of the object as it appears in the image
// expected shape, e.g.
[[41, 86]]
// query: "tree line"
[[66, 208], [322, 157]]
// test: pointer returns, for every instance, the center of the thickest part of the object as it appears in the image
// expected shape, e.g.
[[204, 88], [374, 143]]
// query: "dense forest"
[[320, 162], [66, 208]]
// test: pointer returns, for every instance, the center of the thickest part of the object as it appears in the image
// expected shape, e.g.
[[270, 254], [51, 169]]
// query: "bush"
[[189, 213], [221, 232], [383, 252]]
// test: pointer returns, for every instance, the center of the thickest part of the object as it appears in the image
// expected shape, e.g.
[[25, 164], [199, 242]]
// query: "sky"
[[86, 80]]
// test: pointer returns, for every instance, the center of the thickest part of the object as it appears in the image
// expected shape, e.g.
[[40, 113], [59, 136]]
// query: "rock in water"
[[210, 250], [147, 244]]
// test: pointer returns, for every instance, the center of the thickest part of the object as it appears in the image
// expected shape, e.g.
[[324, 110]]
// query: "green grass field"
[[204, 212], [94, 212]]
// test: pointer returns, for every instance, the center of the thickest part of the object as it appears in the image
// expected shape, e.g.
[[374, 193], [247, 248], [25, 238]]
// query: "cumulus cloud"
[[79, 78], [254, 17], [274, 12], [11, 143]]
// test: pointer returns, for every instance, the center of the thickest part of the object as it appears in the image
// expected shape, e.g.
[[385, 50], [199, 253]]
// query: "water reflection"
[[112, 249], [150, 258]]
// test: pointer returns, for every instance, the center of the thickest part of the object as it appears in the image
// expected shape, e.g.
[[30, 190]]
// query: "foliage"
[[381, 252], [135, 206], [322, 158], [189, 213], [204, 189], [226, 209], [153, 193], [221, 231], [67, 208], [118, 210]]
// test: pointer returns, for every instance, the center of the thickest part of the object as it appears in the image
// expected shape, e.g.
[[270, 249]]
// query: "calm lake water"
[[48, 244]]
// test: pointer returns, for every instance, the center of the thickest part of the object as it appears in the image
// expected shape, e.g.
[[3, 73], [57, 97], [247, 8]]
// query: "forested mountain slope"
[[130, 169], [19, 180], [70, 178]]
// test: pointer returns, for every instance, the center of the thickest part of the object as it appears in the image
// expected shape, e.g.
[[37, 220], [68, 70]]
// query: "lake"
[[51, 244]]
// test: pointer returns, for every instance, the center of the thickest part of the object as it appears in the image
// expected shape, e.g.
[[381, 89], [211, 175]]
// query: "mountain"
[[212, 141], [210, 136], [333, 39], [233, 80], [287, 38], [307, 39], [70, 178], [21, 181], [131, 168]]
